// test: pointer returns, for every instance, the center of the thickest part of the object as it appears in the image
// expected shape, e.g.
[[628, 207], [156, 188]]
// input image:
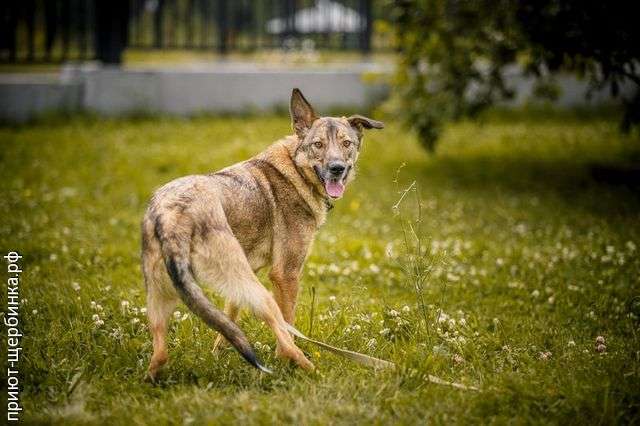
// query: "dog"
[[220, 229]]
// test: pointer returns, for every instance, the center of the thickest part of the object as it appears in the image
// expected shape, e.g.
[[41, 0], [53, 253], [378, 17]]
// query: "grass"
[[514, 260]]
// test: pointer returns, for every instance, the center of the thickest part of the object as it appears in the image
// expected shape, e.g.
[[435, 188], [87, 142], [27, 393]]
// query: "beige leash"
[[370, 361], [355, 356]]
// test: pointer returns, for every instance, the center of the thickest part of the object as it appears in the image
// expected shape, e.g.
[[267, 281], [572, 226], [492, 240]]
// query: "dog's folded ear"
[[360, 122], [302, 114]]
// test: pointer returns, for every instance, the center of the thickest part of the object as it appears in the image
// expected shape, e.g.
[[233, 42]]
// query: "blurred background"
[[427, 61]]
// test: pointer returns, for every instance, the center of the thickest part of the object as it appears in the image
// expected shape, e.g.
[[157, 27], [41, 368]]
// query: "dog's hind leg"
[[159, 309], [286, 348], [161, 299], [265, 308], [232, 310], [232, 276]]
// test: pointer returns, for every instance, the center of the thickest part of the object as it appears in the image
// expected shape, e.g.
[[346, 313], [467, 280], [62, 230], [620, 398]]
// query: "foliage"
[[512, 250], [456, 55]]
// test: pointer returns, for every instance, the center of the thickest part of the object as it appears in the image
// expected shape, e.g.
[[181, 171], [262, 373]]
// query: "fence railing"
[[63, 30]]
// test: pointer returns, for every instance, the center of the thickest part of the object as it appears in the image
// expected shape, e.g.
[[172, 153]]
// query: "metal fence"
[[63, 30]]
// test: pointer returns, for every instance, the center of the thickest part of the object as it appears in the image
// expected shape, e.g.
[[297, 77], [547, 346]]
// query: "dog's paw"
[[295, 354], [305, 363], [150, 377]]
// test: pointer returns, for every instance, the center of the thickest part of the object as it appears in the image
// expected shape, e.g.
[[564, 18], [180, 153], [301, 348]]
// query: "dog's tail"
[[179, 268]]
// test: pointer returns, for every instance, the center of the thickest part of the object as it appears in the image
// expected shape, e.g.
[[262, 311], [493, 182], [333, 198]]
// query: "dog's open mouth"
[[332, 185], [335, 188]]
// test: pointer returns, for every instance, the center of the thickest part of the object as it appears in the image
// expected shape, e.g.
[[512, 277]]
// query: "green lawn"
[[524, 259]]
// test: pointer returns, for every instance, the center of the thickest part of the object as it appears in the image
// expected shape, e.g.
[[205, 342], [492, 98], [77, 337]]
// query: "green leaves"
[[456, 55]]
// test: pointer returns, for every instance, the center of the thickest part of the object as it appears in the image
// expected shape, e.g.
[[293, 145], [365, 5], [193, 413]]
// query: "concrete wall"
[[112, 91], [22, 98], [188, 92], [219, 88]]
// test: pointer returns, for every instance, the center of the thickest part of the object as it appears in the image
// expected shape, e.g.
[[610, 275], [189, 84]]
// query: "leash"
[[367, 360], [370, 361]]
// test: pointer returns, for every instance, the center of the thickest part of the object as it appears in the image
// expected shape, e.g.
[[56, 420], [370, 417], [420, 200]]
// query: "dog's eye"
[[317, 144], [346, 143]]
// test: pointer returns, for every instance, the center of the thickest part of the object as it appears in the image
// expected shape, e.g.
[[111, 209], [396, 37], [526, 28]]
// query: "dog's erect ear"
[[302, 114]]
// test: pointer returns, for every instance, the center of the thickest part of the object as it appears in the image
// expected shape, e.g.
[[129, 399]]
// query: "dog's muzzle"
[[333, 178]]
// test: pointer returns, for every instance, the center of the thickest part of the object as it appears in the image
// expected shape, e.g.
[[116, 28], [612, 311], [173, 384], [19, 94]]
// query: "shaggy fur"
[[220, 229]]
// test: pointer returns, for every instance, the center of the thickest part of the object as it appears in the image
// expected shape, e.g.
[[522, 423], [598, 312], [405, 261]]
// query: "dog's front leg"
[[285, 286], [289, 253]]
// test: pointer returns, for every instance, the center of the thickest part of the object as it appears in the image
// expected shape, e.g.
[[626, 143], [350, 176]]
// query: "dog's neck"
[[280, 155]]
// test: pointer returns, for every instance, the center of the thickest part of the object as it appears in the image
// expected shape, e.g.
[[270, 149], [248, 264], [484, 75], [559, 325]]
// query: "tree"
[[454, 53]]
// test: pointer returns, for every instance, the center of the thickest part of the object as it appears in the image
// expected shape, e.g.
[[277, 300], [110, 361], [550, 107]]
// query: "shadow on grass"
[[600, 188]]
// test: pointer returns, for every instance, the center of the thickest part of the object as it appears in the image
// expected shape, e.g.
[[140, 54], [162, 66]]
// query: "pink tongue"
[[334, 189]]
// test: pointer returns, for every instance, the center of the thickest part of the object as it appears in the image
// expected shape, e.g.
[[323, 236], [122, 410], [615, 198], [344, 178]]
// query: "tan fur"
[[220, 229]]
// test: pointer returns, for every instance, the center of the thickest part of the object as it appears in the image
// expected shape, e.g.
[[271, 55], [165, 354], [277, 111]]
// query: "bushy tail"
[[179, 268]]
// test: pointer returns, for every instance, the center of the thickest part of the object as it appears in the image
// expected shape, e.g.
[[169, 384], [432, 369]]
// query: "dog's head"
[[328, 147]]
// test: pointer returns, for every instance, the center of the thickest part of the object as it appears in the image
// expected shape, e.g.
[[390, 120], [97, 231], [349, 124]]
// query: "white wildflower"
[[544, 356], [452, 277], [75, 286]]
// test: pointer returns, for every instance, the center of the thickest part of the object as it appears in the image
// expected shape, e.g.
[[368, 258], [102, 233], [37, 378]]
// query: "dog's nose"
[[337, 168]]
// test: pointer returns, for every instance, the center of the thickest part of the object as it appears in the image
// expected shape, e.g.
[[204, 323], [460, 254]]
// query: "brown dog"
[[220, 229]]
